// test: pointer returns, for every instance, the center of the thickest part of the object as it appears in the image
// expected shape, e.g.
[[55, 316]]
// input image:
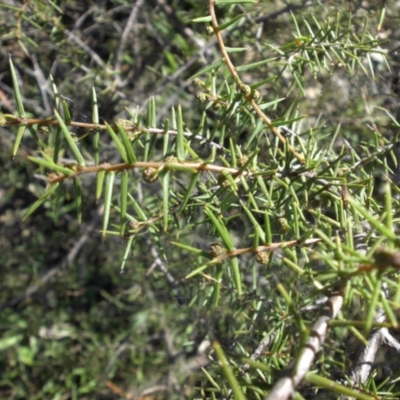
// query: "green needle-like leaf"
[[127, 145], [96, 120], [221, 228], [51, 166], [70, 140], [118, 144], [41, 200], [18, 138], [320, 381], [123, 199], [227, 370], [128, 250], [99, 183], [193, 181], [107, 199], [165, 183], [17, 93], [180, 146]]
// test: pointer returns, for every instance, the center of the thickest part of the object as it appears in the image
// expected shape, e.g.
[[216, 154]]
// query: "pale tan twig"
[[284, 388], [365, 362], [261, 348]]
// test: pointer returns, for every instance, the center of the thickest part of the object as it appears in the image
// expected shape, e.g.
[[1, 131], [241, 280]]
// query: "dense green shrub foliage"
[[199, 199]]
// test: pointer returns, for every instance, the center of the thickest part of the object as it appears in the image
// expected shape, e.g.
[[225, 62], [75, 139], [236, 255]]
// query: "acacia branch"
[[157, 165], [248, 94]]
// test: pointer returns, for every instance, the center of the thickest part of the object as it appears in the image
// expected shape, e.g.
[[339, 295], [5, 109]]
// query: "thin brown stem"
[[159, 165], [268, 247], [245, 90]]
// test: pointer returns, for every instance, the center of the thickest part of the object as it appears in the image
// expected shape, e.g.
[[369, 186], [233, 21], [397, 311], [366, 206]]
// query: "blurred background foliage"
[[89, 331]]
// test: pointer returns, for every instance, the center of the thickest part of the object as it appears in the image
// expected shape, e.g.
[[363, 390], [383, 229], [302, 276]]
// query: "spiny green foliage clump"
[[264, 190]]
